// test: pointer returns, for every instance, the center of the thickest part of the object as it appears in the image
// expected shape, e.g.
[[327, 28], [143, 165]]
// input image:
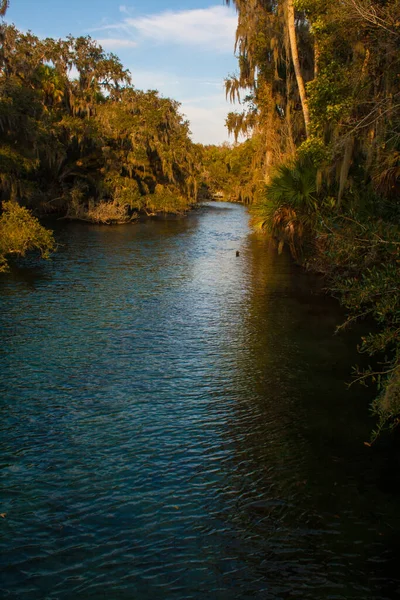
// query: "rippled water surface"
[[175, 425]]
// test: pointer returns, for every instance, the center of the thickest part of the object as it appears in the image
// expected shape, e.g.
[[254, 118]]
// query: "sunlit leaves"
[[21, 232], [93, 146]]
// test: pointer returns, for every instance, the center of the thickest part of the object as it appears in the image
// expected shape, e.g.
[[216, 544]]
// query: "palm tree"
[[276, 22], [290, 206], [296, 63]]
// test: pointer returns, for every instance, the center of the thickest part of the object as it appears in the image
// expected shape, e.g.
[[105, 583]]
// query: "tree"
[[268, 39], [296, 63], [3, 7], [332, 181], [97, 148], [20, 232]]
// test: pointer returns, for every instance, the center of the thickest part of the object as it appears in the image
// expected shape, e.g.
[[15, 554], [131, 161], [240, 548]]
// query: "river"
[[175, 424]]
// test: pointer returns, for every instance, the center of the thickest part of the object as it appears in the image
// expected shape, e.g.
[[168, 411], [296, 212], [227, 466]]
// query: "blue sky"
[[182, 48]]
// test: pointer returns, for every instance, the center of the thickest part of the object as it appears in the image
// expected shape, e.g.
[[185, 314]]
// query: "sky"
[[183, 48]]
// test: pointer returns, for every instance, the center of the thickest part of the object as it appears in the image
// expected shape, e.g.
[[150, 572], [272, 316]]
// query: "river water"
[[175, 424]]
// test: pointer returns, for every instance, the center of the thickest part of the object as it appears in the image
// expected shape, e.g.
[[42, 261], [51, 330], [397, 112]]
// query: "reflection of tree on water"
[[303, 483], [198, 426]]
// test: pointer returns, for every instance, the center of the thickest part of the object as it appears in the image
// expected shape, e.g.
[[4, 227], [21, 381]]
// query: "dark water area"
[[175, 424]]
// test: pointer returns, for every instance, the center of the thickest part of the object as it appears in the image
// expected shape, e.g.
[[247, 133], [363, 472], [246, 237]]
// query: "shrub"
[[20, 232]]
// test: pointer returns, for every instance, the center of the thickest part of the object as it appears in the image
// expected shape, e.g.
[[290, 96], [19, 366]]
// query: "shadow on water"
[[176, 424], [303, 473], [24, 272]]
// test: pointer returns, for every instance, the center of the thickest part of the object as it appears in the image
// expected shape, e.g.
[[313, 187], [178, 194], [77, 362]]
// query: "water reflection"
[[175, 424], [294, 435]]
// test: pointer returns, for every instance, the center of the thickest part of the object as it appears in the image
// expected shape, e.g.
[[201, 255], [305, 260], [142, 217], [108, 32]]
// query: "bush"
[[20, 232], [290, 206]]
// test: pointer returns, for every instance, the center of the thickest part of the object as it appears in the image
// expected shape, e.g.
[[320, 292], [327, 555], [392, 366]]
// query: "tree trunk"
[[316, 58], [288, 115], [296, 64], [345, 167]]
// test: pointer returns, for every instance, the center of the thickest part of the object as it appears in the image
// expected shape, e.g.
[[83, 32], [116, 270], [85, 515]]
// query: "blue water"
[[175, 424]]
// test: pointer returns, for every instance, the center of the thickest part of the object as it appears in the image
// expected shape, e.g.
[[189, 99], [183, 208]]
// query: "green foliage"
[[329, 97], [165, 200], [91, 148], [311, 7], [336, 204], [366, 276], [21, 232], [229, 172], [294, 184], [313, 151], [290, 207]]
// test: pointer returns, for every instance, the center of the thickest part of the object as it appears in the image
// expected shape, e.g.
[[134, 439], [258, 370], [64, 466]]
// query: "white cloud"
[[127, 10], [207, 124], [171, 84], [206, 112], [211, 28], [115, 43], [194, 32], [166, 82]]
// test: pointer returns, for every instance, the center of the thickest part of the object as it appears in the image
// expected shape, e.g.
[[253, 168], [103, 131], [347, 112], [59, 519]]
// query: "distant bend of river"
[[175, 425]]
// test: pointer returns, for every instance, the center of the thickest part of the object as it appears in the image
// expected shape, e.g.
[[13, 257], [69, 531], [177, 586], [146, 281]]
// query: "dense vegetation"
[[322, 86], [77, 140], [319, 83], [228, 172]]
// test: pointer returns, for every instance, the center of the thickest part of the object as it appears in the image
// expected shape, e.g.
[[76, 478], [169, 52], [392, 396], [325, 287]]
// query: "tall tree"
[[296, 63], [91, 147], [275, 62], [333, 193]]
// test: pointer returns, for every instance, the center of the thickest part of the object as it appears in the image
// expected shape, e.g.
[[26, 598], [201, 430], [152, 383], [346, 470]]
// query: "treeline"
[[319, 85], [321, 80], [227, 172], [78, 140]]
